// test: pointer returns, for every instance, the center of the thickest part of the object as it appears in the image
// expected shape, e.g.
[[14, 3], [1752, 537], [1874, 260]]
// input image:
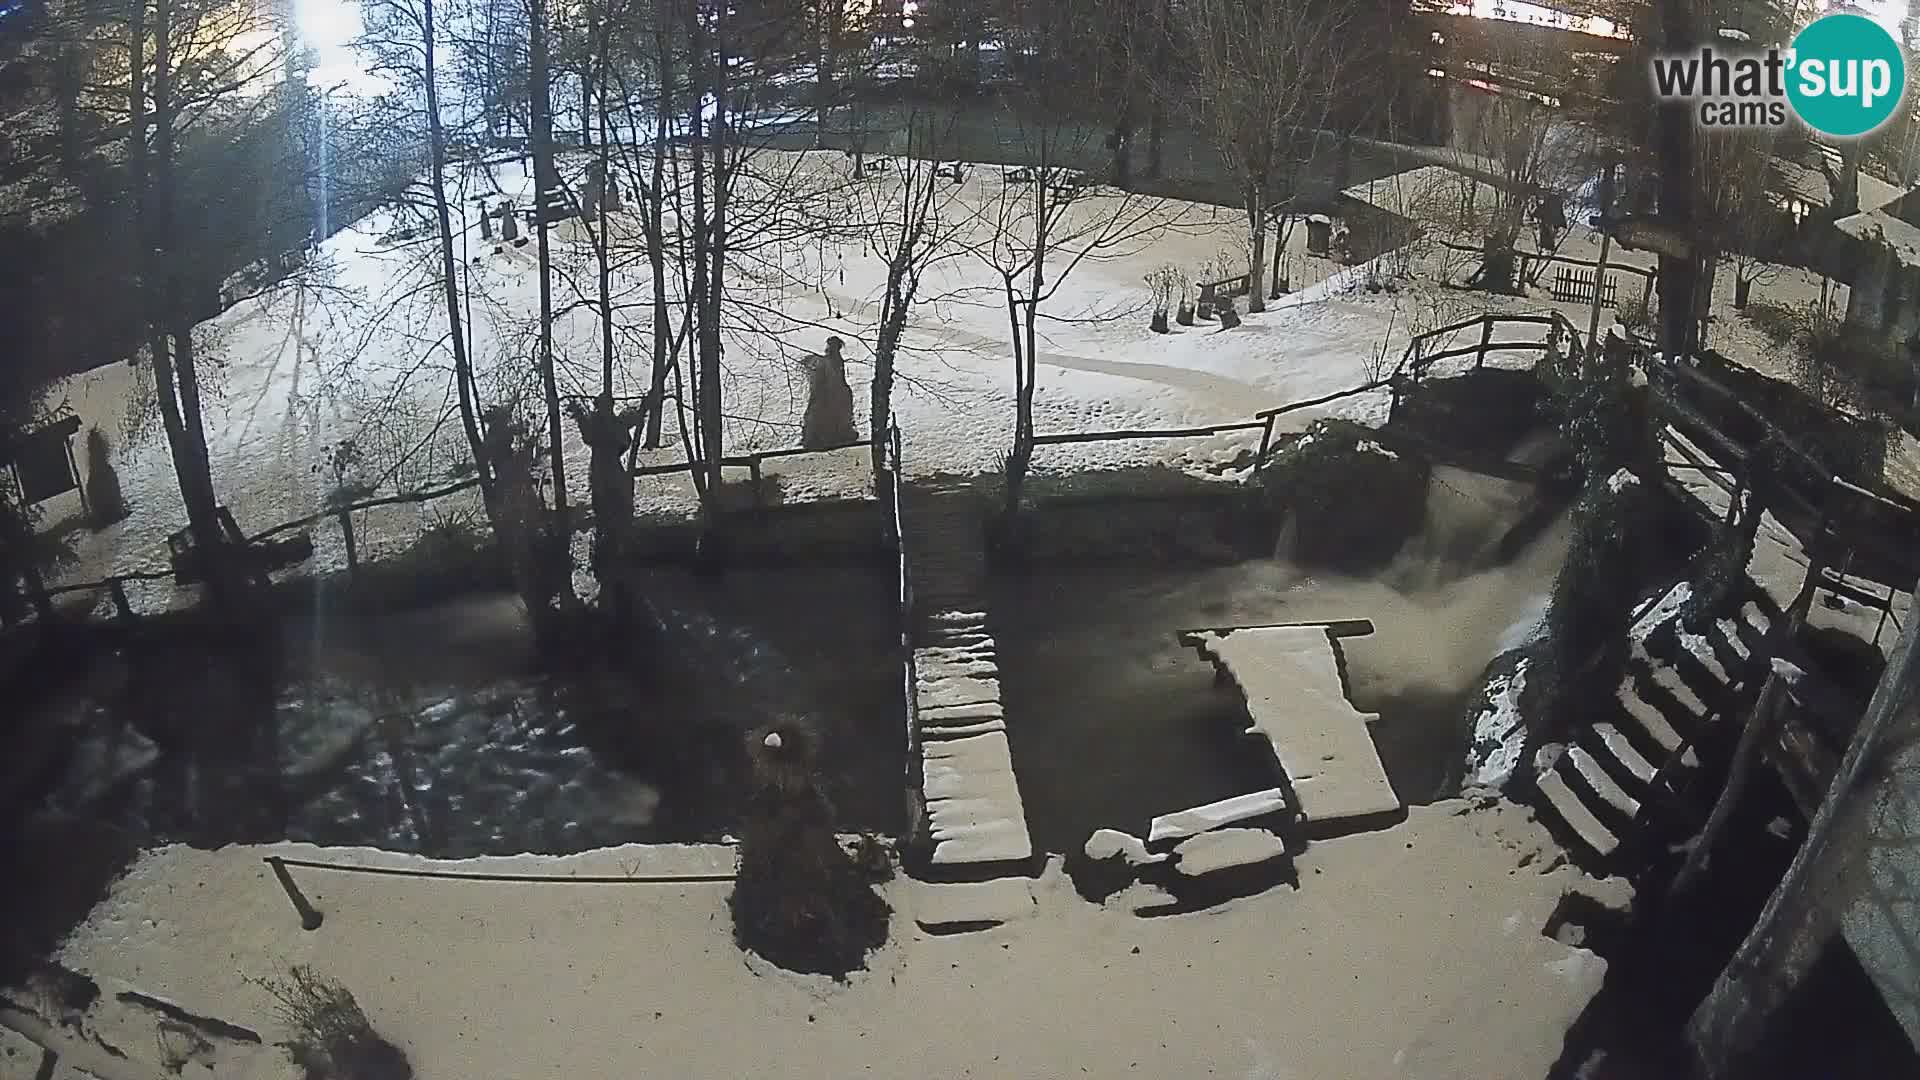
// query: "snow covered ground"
[[357, 351], [1414, 952]]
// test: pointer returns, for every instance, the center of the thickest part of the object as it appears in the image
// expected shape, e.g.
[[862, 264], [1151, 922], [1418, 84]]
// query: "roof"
[[1810, 184], [1883, 228]]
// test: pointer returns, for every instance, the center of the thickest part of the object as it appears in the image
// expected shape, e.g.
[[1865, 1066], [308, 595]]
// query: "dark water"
[[433, 731], [1113, 722]]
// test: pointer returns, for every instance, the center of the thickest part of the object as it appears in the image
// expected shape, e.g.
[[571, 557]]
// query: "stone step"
[[1702, 650], [1568, 807], [969, 713], [962, 730], [1666, 678], [930, 670], [973, 905], [957, 691], [1650, 720], [1617, 744], [1603, 785]]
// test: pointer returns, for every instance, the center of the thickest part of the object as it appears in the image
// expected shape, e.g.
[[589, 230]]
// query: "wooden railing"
[[1414, 362]]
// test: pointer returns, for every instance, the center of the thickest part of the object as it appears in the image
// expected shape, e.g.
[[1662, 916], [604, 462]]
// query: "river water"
[[432, 731], [1113, 722]]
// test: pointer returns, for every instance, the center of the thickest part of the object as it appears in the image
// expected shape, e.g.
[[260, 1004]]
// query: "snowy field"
[[356, 350]]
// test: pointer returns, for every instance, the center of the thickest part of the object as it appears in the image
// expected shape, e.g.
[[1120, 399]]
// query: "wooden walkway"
[[1297, 701], [974, 815]]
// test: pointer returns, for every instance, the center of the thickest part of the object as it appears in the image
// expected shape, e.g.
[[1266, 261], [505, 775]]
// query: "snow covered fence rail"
[[1417, 359]]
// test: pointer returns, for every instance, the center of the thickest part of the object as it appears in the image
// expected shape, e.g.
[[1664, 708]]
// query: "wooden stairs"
[[1680, 690]]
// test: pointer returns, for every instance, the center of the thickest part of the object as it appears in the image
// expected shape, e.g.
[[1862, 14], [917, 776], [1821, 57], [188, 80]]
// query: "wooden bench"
[[1238, 285]]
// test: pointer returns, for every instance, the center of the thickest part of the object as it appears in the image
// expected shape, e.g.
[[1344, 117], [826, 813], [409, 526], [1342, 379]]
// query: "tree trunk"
[[893, 322], [655, 211], [546, 179], [832, 13], [1257, 251], [1674, 150], [449, 280], [176, 379]]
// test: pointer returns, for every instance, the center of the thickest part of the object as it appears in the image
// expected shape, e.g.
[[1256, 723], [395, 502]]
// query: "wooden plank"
[[1296, 700], [1190, 822]]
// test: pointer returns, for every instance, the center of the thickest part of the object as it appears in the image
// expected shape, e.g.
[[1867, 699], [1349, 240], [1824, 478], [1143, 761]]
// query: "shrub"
[[1353, 502], [105, 500], [1636, 314], [332, 1039], [799, 899]]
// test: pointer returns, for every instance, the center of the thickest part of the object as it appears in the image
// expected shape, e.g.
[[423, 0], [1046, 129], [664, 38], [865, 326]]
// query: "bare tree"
[[1266, 74], [1042, 221], [913, 223]]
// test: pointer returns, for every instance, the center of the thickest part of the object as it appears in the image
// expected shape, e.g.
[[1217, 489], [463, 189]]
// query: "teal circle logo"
[[1846, 75]]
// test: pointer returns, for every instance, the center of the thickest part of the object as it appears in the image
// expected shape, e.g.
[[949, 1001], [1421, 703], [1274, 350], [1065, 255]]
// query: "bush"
[[1635, 313], [332, 1039], [104, 497], [1353, 502], [1593, 595], [799, 899]]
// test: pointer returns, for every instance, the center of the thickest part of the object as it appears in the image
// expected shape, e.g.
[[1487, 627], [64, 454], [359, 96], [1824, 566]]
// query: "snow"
[[478, 979], [1296, 701], [1499, 732], [1107, 843], [356, 354], [1621, 480], [1213, 815], [1225, 849]]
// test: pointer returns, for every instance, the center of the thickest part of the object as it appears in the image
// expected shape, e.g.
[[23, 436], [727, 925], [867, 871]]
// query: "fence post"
[[1486, 338], [310, 917], [118, 590], [1266, 441], [753, 474]]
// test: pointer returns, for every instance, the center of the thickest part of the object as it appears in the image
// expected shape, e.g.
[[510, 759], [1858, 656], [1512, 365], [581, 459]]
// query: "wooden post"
[[346, 532], [1599, 280], [753, 472], [310, 917], [117, 589], [1266, 437], [1746, 754], [1486, 338]]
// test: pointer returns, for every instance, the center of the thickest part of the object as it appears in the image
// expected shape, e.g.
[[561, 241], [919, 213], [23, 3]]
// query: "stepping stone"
[[1601, 783], [1622, 750], [949, 669], [1575, 813], [962, 730], [1754, 617], [968, 713], [1731, 632], [972, 904], [957, 691], [942, 654], [1226, 849], [1107, 843]]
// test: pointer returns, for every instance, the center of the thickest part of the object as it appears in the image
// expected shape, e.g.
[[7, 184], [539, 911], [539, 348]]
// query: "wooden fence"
[[1413, 365]]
